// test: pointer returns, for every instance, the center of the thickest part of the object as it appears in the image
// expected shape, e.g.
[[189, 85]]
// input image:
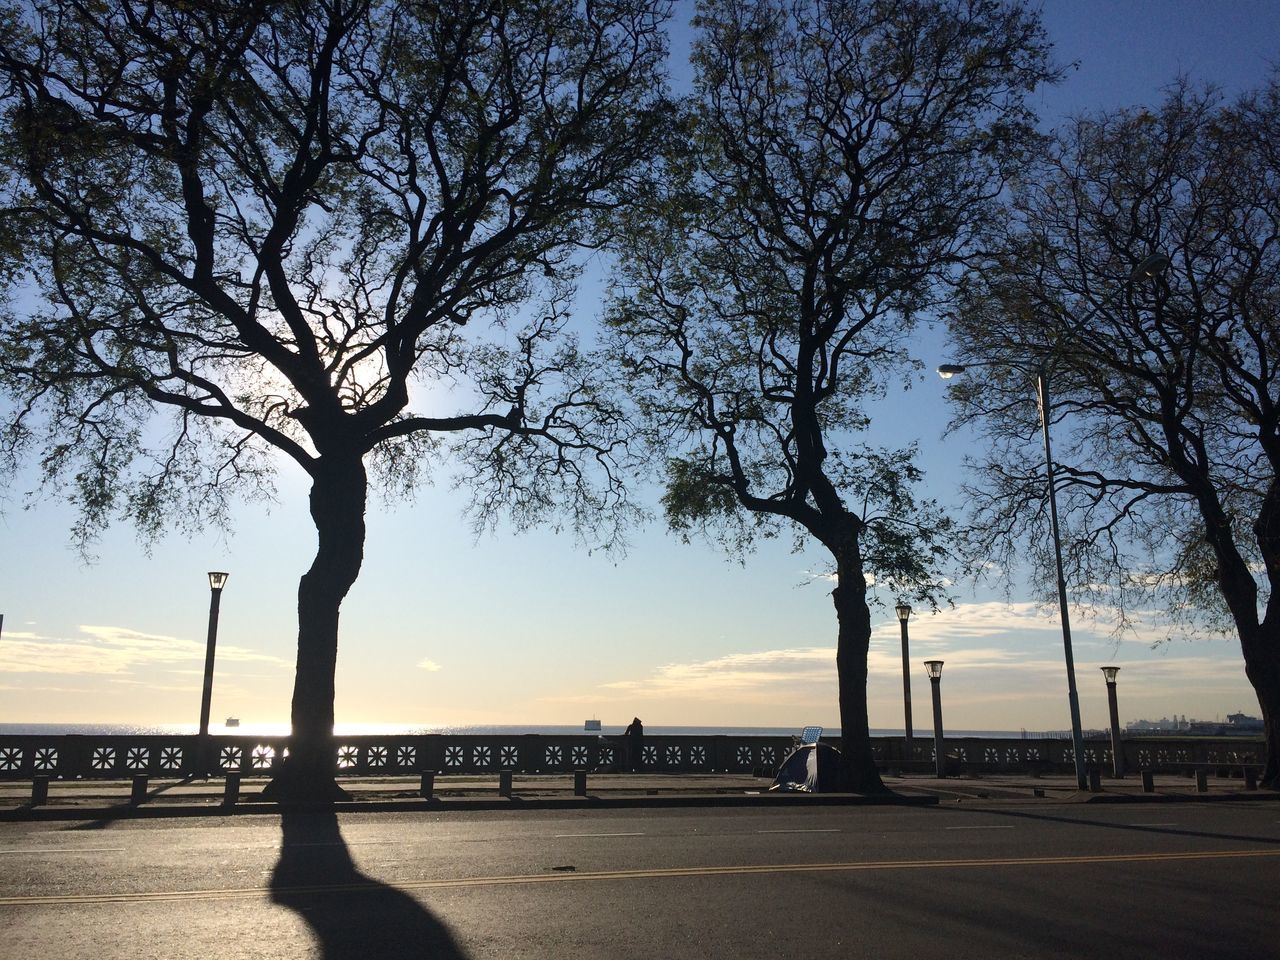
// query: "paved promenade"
[[105, 798]]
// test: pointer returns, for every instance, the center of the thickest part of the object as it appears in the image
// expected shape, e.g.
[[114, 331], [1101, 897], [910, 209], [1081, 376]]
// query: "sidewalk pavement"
[[110, 799]]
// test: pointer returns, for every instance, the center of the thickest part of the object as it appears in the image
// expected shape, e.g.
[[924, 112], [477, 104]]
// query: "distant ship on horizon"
[[591, 726], [232, 722]]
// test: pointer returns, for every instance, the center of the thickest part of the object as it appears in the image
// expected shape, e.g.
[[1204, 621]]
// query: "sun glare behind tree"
[[273, 221]]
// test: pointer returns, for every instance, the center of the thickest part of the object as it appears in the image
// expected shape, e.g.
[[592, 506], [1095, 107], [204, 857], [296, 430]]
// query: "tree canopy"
[[1140, 268], [339, 230], [838, 163]]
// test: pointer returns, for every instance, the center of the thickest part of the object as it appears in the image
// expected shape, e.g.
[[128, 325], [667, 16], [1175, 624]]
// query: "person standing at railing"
[[634, 739]]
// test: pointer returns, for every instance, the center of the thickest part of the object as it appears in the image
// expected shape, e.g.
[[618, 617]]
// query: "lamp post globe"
[[217, 580], [903, 610], [934, 670], [1117, 748]]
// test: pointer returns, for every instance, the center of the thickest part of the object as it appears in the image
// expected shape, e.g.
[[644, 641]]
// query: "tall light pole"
[[949, 370], [1151, 267], [1117, 755], [1073, 697], [934, 669], [903, 610], [217, 580]]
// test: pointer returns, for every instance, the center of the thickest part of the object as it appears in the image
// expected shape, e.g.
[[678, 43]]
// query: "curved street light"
[[1150, 267]]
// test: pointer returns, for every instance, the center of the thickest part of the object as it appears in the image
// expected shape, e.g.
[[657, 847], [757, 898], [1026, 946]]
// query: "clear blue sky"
[[441, 628]]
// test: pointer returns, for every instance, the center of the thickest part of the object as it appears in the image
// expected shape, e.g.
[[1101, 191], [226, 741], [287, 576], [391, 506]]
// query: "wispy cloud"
[[994, 619], [989, 643], [765, 675], [153, 687], [113, 651], [45, 688], [431, 665]]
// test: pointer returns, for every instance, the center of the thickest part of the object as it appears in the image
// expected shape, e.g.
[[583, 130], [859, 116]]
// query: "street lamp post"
[[1073, 697], [1148, 269], [934, 668], [1117, 754], [949, 370], [217, 580], [903, 609]]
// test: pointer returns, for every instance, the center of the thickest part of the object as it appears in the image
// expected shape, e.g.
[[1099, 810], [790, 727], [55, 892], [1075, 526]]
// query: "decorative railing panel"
[[119, 757]]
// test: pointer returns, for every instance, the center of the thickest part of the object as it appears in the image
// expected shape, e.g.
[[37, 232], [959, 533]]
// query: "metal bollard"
[[39, 791], [579, 783], [1250, 778], [504, 783], [1095, 780], [428, 785], [138, 794], [231, 789], [1148, 782], [1202, 781]]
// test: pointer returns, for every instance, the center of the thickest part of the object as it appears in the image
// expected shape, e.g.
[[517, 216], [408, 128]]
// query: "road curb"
[[1251, 796], [461, 805]]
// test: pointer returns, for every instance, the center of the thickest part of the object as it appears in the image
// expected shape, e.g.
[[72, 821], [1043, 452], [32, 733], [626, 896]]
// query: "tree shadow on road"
[[119, 811], [351, 914], [1138, 828]]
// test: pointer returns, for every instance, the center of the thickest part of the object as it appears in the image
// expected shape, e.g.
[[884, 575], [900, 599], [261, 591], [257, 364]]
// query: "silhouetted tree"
[[1165, 388], [282, 222], [839, 162]]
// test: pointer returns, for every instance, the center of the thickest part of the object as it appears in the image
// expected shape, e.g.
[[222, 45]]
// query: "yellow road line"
[[240, 893]]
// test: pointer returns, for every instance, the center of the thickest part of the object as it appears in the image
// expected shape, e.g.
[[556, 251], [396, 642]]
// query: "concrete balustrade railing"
[[122, 757]]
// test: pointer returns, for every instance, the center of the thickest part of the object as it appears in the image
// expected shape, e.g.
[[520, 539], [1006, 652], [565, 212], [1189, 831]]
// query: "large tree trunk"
[[1261, 649], [1261, 646], [1259, 639], [852, 647], [338, 494]]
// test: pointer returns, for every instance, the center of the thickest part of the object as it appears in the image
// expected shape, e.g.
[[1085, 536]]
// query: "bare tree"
[[277, 222], [1166, 391], [841, 161]]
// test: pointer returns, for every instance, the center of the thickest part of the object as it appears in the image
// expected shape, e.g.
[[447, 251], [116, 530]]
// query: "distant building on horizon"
[[1236, 725], [1163, 725]]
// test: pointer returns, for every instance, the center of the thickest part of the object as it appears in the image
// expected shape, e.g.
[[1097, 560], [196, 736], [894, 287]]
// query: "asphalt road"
[[1044, 880]]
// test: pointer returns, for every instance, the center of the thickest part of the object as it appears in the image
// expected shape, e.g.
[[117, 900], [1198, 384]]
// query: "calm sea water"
[[384, 729]]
